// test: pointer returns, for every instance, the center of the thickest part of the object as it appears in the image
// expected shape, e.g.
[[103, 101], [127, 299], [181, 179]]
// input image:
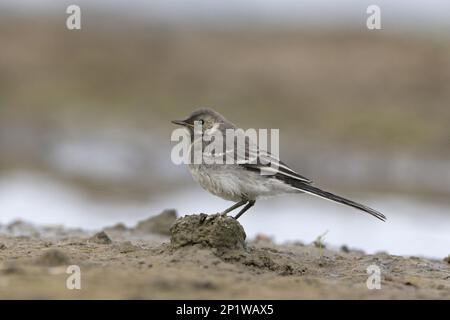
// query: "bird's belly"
[[237, 185], [218, 183]]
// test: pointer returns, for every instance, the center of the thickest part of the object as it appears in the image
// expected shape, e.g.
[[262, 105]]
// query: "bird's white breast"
[[233, 183]]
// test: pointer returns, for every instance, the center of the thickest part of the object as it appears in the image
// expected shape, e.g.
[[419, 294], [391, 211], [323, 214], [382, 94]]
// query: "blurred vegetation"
[[363, 89], [375, 103]]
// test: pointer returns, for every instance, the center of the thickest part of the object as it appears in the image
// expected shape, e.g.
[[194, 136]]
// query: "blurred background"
[[85, 114]]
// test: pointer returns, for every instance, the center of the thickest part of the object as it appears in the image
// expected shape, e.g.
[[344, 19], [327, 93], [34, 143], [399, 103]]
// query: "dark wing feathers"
[[282, 172], [267, 164], [332, 197]]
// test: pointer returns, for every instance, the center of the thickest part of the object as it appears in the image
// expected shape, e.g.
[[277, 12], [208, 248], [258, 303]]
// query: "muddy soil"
[[200, 257]]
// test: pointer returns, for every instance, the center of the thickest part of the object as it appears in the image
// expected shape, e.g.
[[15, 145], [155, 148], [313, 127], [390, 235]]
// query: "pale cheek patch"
[[213, 130]]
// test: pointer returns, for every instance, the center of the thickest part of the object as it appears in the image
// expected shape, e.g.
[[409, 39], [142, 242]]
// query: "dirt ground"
[[200, 257]]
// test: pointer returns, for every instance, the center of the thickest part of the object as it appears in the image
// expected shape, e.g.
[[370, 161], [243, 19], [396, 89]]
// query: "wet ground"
[[201, 257]]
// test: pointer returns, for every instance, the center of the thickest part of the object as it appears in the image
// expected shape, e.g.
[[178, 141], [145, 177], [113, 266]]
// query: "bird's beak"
[[181, 123]]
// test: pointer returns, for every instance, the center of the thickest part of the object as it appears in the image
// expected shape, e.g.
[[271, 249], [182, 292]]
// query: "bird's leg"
[[234, 206], [250, 204]]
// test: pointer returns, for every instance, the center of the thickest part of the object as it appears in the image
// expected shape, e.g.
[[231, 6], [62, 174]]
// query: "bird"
[[244, 181]]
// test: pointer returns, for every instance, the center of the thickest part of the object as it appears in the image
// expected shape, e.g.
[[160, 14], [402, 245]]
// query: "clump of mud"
[[214, 231], [159, 224], [202, 238], [22, 228], [447, 259], [53, 257], [100, 238]]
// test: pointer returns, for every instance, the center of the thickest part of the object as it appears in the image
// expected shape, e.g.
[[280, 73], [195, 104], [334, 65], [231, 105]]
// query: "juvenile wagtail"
[[245, 181]]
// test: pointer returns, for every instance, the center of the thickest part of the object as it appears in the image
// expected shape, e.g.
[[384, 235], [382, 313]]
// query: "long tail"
[[307, 188]]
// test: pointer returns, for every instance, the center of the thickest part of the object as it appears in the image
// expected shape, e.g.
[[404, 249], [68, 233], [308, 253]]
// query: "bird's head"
[[206, 119]]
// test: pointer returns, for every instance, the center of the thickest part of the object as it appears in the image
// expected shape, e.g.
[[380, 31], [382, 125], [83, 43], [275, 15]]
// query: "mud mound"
[[204, 238], [100, 238], [159, 224], [214, 231]]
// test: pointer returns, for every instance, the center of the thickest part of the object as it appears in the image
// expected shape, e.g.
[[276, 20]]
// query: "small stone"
[[447, 259], [2, 246], [100, 238], [159, 224], [52, 258], [215, 231]]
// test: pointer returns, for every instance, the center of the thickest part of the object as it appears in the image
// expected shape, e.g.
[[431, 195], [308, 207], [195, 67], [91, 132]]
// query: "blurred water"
[[423, 14], [413, 227]]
